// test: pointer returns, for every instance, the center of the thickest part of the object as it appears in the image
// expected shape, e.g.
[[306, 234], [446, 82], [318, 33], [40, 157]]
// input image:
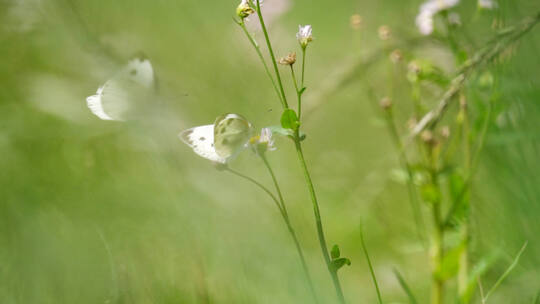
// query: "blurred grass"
[[100, 212]]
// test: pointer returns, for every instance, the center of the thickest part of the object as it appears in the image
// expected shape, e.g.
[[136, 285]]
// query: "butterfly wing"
[[140, 71], [125, 92], [231, 133], [95, 104], [201, 140]]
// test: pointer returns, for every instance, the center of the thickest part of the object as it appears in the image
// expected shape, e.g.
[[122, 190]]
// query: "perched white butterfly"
[[221, 141], [130, 88]]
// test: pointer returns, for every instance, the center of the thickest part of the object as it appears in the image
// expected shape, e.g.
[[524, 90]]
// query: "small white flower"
[[263, 142], [487, 4], [424, 19], [424, 22], [304, 35], [266, 137]]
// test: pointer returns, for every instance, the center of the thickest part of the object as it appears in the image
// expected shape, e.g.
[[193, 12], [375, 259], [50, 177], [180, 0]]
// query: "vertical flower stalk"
[[320, 231], [243, 11], [304, 37], [260, 145], [290, 60], [387, 105], [463, 263], [280, 204], [285, 216], [437, 241], [272, 56]]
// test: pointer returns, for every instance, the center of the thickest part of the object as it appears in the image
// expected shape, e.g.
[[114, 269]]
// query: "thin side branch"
[[493, 49]]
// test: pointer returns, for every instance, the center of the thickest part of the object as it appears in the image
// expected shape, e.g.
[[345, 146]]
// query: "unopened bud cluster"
[[244, 9], [385, 103], [290, 59], [396, 56], [356, 22], [384, 32]]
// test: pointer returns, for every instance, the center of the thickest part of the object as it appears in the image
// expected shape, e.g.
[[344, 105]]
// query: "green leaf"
[[289, 120], [400, 175], [456, 184], [425, 70], [459, 195], [279, 130], [338, 263], [302, 90], [478, 270], [373, 276], [430, 193], [335, 252], [405, 286], [507, 272], [462, 56], [450, 263], [536, 299]]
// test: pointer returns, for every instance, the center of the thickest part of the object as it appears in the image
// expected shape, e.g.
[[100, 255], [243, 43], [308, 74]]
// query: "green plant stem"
[[320, 232], [437, 287], [298, 93], [437, 246], [416, 97], [474, 163], [463, 263], [285, 216], [482, 138], [289, 226], [302, 88], [303, 65], [261, 186], [480, 289], [318, 221], [485, 55], [261, 57], [276, 185], [413, 198], [450, 37], [271, 51], [370, 266]]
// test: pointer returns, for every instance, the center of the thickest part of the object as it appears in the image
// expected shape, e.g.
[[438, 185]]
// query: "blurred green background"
[[104, 212]]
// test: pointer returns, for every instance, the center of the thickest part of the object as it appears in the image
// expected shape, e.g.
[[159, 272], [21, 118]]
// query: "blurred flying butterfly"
[[125, 93], [221, 141]]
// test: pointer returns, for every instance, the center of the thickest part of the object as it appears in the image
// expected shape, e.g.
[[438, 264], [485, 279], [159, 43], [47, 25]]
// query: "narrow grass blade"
[[405, 287], [370, 266], [506, 273], [536, 299]]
